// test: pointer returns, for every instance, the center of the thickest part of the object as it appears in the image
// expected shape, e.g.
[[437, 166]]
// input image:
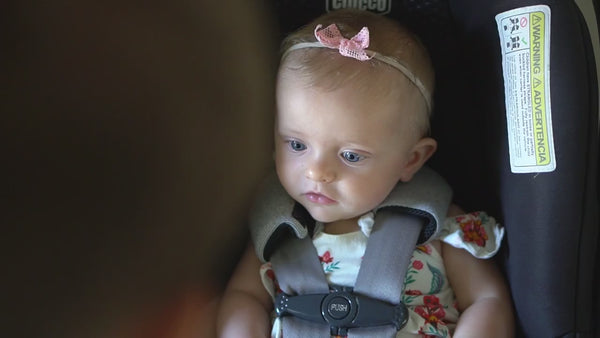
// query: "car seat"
[[550, 256]]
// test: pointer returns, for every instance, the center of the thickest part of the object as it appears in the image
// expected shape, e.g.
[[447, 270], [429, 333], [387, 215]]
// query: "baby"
[[354, 96]]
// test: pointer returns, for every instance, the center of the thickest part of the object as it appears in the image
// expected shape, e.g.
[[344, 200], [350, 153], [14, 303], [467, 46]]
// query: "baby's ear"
[[419, 154]]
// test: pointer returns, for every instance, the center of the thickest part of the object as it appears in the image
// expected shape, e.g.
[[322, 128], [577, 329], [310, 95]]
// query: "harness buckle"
[[342, 309]]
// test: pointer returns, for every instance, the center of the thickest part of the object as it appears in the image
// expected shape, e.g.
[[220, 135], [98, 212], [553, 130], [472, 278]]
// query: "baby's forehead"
[[329, 70], [389, 89]]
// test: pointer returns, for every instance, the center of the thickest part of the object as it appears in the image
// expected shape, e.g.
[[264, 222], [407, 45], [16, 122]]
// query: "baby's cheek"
[[367, 199]]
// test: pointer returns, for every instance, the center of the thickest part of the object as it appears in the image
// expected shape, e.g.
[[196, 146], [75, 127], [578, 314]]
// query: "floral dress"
[[427, 294]]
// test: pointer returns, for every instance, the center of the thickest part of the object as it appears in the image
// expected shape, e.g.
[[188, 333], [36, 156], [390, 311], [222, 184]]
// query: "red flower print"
[[432, 311], [271, 274], [418, 265], [413, 292], [326, 258], [425, 249], [472, 229], [272, 277]]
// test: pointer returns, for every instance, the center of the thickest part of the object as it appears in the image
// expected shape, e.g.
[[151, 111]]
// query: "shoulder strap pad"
[[427, 195], [276, 214], [273, 215]]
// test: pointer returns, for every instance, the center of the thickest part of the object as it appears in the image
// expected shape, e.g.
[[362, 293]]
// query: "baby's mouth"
[[318, 198]]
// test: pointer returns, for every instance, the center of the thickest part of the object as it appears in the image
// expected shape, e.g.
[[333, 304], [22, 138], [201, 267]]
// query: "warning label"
[[525, 41]]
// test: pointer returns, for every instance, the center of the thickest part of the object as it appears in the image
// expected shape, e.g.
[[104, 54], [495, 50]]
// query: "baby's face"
[[340, 153]]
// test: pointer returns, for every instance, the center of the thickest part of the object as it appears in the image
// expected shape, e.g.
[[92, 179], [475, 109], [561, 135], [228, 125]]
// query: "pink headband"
[[356, 48]]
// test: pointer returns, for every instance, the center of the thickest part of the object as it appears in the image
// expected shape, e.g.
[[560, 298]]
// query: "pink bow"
[[355, 48]]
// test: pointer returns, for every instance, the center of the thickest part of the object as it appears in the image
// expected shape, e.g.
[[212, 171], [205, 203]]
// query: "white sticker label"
[[525, 41]]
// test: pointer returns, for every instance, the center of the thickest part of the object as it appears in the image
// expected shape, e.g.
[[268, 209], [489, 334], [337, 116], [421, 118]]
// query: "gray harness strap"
[[299, 271], [393, 240], [298, 268]]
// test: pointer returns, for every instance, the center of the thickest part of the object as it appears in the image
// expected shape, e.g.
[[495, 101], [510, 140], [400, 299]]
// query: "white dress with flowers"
[[427, 293]]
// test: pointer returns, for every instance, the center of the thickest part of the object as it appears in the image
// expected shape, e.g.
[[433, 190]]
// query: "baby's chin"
[[326, 217], [320, 215]]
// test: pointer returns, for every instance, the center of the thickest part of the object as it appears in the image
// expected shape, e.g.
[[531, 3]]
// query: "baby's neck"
[[342, 226]]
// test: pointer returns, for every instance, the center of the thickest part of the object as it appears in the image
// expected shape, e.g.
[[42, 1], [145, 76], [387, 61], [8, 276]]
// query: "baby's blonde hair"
[[323, 67]]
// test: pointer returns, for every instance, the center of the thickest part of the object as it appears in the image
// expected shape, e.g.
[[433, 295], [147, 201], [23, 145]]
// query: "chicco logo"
[[376, 6]]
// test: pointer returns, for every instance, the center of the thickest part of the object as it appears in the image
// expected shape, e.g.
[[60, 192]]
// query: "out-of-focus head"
[[136, 134]]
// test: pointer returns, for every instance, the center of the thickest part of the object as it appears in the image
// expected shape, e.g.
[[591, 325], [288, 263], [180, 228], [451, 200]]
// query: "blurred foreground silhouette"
[[133, 135]]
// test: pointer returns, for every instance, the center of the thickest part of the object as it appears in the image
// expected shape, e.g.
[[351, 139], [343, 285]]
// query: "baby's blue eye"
[[297, 146], [351, 156]]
